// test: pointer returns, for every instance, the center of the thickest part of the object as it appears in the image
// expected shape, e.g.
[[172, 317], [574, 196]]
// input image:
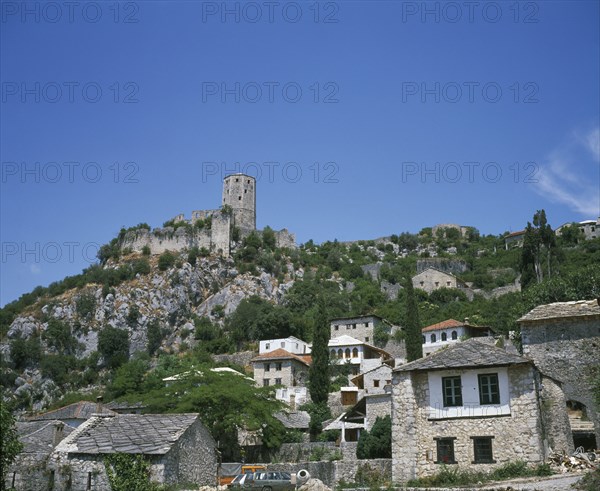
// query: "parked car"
[[263, 481]]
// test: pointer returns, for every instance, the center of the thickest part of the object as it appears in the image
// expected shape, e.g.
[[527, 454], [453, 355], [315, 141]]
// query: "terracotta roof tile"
[[443, 325], [281, 354]]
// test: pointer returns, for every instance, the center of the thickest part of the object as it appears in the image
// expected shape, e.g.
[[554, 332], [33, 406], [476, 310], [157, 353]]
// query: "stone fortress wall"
[[238, 211]]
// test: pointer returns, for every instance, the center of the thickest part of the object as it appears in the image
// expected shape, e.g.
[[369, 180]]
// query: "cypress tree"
[[412, 327], [318, 375]]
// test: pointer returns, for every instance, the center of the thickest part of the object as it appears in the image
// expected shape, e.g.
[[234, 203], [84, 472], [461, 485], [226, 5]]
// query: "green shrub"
[[86, 304], [146, 250], [166, 260], [113, 345], [25, 353], [155, 335]]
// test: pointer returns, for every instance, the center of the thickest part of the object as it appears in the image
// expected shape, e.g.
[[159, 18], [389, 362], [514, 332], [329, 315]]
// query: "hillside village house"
[[362, 328], [475, 406], [291, 344], [514, 239], [39, 438], [178, 446], [280, 367], [432, 279], [359, 355], [589, 228], [563, 339], [448, 332], [74, 414]]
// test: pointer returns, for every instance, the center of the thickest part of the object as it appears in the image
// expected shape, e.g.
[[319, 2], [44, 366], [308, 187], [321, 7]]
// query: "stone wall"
[[292, 373], [431, 279], [28, 473], [454, 266], [193, 459], [332, 473], [378, 406], [555, 421], [515, 437], [567, 350]]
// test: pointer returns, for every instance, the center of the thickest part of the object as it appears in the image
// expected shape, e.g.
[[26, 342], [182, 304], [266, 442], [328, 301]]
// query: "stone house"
[[563, 339], [359, 355], [28, 472], [450, 331], [280, 367], [375, 380], [514, 239], [362, 328], [291, 344], [431, 279], [179, 448], [589, 228], [74, 414], [475, 406]]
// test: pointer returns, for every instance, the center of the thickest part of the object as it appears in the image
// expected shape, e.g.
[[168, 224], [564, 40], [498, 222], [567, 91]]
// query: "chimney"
[[58, 433], [99, 405], [293, 402]]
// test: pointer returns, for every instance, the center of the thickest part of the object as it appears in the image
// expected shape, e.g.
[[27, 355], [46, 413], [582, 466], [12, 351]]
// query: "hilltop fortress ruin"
[[217, 230]]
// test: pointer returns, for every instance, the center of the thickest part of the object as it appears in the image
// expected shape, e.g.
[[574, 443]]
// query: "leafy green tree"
[[571, 234], [377, 443], [24, 353], [86, 304], [412, 325], [113, 345], [58, 335], [128, 379], [539, 247], [268, 238], [9, 443]]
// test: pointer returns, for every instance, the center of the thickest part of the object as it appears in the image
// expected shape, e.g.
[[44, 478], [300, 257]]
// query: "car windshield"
[[237, 479]]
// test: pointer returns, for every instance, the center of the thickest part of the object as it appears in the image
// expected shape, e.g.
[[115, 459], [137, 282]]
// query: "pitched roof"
[[281, 354], [443, 325], [516, 234], [38, 436], [559, 310], [470, 353], [294, 419], [77, 410], [438, 270], [129, 433], [449, 323], [344, 340]]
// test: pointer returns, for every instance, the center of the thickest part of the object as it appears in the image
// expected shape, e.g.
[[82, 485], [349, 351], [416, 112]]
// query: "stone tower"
[[239, 192]]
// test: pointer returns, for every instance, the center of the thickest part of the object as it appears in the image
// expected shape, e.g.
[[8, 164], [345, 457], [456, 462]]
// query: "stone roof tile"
[[470, 353], [559, 310], [133, 433]]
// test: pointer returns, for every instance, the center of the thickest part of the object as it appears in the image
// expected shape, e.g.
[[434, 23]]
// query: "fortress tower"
[[239, 192]]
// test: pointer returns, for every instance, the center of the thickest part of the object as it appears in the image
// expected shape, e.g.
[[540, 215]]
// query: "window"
[[437, 283], [278, 366], [277, 381], [347, 353], [355, 353], [444, 336], [488, 388], [340, 353], [333, 355], [366, 339], [265, 382], [422, 283], [433, 338], [454, 335], [445, 450], [447, 283], [283, 344], [375, 383], [482, 450], [353, 326], [336, 328], [267, 367], [267, 346], [348, 326], [452, 391], [424, 341]]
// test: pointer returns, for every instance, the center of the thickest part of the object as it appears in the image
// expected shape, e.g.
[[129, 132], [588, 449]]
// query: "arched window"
[[433, 338], [454, 335], [332, 353], [444, 336], [340, 353], [347, 353], [355, 353], [424, 341]]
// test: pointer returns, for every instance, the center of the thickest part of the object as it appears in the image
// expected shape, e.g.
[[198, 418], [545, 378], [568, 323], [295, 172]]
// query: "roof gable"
[[281, 354], [77, 410], [470, 353]]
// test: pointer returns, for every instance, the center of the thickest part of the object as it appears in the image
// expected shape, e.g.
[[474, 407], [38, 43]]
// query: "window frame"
[[494, 397], [444, 440], [457, 399], [477, 450]]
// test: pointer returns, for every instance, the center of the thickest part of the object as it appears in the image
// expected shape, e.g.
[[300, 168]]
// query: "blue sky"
[[374, 117]]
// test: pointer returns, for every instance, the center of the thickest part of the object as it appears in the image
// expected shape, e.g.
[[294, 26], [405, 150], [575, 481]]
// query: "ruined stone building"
[[215, 230], [178, 446], [563, 339], [475, 406], [431, 279]]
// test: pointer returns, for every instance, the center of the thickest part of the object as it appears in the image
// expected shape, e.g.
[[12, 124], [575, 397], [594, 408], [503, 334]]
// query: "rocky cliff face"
[[213, 288]]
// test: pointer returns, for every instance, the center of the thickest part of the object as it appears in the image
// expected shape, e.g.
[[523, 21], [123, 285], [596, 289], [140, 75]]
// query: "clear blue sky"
[[415, 113]]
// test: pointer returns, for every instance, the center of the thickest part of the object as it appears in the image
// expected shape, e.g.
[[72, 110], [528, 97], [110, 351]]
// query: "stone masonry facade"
[[517, 436]]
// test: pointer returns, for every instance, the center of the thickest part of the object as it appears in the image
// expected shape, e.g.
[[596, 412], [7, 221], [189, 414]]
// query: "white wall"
[[470, 394]]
